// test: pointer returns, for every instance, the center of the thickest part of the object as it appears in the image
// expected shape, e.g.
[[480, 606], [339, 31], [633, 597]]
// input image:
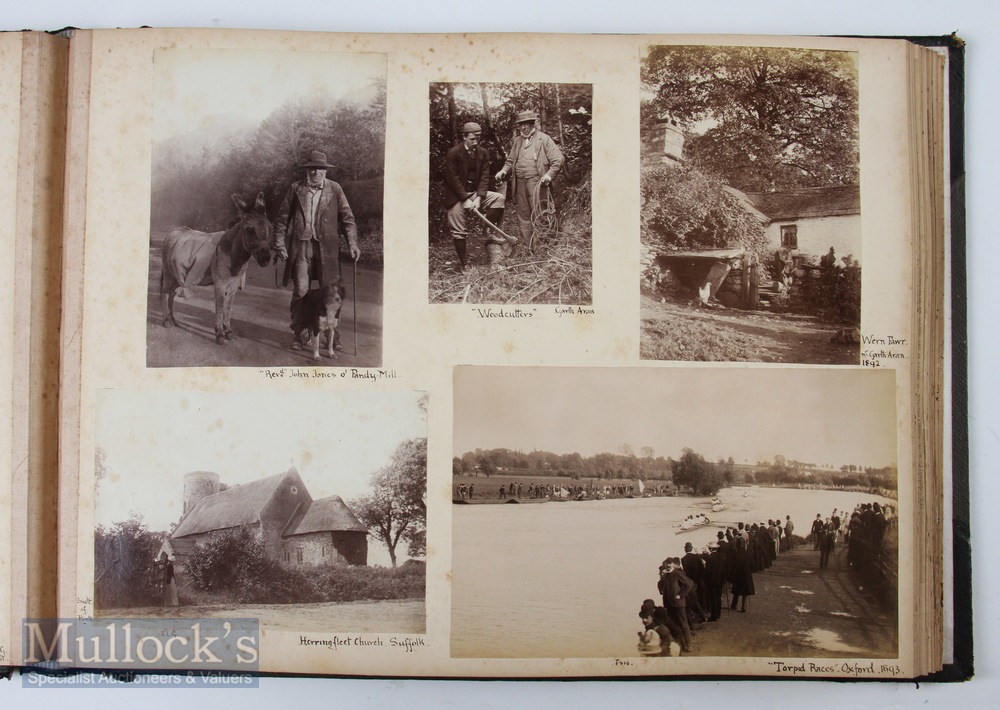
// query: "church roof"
[[806, 202], [323, 515], [233, 507]]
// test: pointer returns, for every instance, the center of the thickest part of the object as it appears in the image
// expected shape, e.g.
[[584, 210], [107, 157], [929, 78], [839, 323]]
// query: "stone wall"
[[325, 548]]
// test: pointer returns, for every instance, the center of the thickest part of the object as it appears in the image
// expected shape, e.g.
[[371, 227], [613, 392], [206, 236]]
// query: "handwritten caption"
[[344, 374], [877, 351], [505, 312], [858, 670], [573, 311], [84, 613], [407, 644], [516, 313]]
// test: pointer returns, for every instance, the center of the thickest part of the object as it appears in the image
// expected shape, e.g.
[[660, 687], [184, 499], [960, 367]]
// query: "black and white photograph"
[[509, 210], [626, 513], [750, 205], [265, 245], [305, 510]]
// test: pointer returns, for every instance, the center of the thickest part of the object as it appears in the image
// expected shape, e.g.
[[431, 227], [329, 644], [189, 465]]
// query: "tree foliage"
[[396, 507], [494, 106], [694, 472], [834, 292], [233, 567], [605, 465], [232, 562], [763, 118], [124, 554], [685, 209]]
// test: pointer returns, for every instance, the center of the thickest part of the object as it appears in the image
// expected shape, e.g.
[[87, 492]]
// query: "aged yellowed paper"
[[189, 392]]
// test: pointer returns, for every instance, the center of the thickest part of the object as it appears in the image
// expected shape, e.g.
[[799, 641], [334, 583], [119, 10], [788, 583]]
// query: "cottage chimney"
[[673, 141], [197, 485], [663, 143]]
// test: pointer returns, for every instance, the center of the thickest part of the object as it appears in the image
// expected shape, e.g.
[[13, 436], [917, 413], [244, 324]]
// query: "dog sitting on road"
[[321, 314]]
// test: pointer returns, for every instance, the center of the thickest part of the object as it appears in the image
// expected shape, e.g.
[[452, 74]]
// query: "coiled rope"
[[544, 221]]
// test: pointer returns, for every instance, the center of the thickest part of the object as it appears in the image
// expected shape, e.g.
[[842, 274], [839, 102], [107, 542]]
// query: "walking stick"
[[355, 299]]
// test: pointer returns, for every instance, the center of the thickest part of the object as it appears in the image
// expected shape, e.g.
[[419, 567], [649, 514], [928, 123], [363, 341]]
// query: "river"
[[566, 579]]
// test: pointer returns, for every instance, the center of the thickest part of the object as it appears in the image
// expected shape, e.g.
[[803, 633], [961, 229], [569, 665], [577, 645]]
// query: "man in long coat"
[[307, 234], [533, 162], [675, 587]]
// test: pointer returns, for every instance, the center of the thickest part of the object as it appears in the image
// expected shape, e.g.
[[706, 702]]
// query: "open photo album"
[[483, 356]]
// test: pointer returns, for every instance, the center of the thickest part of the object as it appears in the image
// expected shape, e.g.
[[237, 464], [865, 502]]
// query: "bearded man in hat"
[[534, 161], [311, 219], [467, 178]]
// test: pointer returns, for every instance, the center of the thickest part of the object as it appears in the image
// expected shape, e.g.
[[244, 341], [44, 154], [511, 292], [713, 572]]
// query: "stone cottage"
[[809, 221]]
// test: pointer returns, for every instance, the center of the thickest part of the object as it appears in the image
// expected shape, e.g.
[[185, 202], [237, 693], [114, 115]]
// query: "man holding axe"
[[467, 177]]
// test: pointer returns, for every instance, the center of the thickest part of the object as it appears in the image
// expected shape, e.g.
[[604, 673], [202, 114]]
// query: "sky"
[[335, 440], [192, 85], [813, 415]]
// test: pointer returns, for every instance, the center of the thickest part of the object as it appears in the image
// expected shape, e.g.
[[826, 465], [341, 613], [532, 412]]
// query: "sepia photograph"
[[750, 205], [509, 210], [624, 513], [305, 510], [265, 244]]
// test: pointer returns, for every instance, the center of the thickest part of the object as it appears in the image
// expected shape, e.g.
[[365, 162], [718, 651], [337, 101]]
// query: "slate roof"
[[233, 507], [808, 202], [323, 515]]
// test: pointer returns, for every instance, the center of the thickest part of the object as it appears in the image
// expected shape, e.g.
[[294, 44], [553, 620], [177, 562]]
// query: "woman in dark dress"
[[742, 575]]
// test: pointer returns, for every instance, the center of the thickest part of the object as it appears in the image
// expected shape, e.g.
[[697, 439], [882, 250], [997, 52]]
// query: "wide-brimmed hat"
[[471, 127], [526, 116], [317, 159]]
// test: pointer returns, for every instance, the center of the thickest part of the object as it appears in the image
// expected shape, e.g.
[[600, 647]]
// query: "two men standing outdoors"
[[533, 162]]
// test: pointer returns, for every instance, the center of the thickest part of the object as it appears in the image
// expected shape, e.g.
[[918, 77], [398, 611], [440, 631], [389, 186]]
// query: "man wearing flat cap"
[[533, 162], [307, 232], [467, 178]]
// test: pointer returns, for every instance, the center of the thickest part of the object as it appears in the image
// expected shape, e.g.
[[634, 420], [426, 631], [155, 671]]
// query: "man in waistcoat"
[[533, 162]]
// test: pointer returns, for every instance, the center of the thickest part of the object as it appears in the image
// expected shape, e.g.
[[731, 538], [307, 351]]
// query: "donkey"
[[192, 258]]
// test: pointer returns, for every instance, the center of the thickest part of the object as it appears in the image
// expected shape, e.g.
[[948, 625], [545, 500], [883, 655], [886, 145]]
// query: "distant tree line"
[[792, 473], [691, 472], [487, 462]]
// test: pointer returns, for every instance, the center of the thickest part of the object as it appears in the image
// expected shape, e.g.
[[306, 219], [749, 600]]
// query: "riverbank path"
[[802, 611]]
